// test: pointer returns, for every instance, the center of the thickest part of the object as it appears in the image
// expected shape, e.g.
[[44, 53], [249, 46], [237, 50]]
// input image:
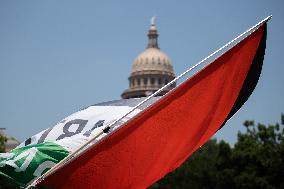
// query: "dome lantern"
[[153, 35]]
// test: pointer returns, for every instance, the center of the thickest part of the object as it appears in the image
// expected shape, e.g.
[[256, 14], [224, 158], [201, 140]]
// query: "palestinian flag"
[[152, 141]]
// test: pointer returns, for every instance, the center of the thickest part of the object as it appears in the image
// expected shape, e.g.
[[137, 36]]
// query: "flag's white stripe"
[[91, 115]]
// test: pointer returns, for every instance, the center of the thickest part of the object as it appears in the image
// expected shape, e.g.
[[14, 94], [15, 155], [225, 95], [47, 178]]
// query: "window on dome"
[[152, 81], [160, 81], [132, 83], [145, 81]]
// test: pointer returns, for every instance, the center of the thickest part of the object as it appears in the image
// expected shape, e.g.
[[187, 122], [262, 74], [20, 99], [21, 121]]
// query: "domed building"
[[151, 70]]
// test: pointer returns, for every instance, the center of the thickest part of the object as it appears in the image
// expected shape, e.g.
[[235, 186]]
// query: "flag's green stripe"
[[34, 156]]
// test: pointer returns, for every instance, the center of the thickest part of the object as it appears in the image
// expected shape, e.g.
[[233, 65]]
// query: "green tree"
[[258, 156], [3, 140]]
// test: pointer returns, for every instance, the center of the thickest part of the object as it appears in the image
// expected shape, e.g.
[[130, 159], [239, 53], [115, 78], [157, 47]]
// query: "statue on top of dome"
[[153, 19]]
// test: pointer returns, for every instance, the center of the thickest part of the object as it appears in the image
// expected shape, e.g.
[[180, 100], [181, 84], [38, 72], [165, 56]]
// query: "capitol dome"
[[151, 70], [152, 59]]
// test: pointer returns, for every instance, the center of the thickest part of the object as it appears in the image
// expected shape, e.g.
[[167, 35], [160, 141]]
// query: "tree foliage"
[[255, 161], [3, 139]]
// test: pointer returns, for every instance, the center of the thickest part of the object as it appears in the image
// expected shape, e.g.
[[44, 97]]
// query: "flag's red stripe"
[[162, 137]]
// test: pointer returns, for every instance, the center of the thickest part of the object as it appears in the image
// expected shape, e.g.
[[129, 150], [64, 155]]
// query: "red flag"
[[160, 138]]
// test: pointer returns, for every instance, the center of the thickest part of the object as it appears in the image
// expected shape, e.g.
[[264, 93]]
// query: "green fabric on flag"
[[22, 165]]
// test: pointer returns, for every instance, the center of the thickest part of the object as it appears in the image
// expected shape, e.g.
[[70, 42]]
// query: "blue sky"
[[59, 56]]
